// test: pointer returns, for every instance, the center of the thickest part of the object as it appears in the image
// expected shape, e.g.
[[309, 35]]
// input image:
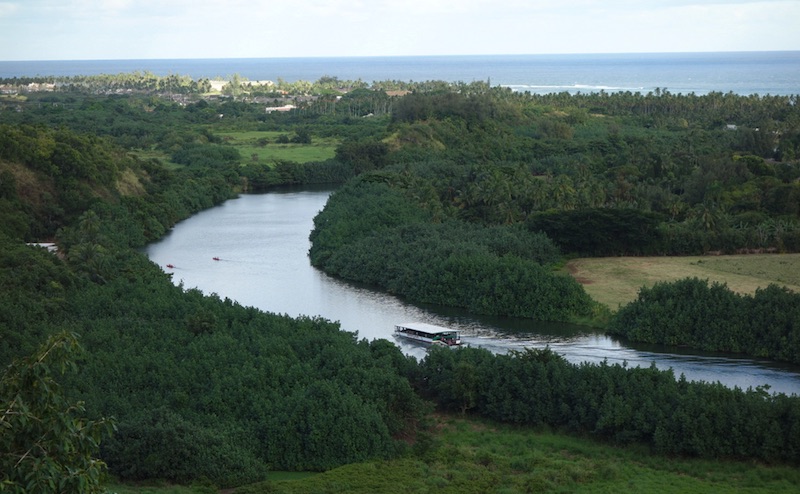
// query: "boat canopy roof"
[[426, 328]]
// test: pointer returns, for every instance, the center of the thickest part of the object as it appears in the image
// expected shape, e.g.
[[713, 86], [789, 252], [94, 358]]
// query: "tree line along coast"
[[456, 194]]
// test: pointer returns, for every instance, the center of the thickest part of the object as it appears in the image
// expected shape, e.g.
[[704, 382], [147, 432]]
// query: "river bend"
[[261, 243]]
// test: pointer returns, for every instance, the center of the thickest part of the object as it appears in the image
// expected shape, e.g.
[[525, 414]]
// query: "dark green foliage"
[[757, 166], [14, 221], [487, 284], [161, 444], [661, 152], [363, 155], [205, 387], [358, 210], [302, 136], [324, 426], [60, 154], [207, 155], [243, 392], [200, 387], [473, 107], [47, 444], [262, 178], [33, 290], [637, 405], [64, 173], [373, 233], [691, 313], [601, 232]]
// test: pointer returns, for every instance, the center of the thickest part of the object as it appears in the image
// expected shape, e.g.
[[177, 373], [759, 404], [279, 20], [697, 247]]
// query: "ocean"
[[762, 73]]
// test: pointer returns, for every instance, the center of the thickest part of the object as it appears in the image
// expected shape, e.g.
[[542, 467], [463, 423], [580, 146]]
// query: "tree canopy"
[[457, 194]]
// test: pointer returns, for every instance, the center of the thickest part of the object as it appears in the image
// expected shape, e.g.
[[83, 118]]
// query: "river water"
[[262, 243]]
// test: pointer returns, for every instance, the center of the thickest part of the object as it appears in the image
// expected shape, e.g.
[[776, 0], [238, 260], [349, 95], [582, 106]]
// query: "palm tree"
[[563, 192]]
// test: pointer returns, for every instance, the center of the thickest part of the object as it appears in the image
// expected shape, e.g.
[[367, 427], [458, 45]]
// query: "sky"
[[145, 29]]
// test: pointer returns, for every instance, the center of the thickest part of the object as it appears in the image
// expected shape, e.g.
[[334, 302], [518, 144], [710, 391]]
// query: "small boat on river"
[[428, 333]]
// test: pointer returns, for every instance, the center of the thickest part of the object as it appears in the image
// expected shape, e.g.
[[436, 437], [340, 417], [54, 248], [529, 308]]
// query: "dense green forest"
[[636, 405], [457, 194], [478, 185], [691, 313]]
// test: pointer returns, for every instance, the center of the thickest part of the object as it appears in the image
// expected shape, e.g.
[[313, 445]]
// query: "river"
[[261, 243]]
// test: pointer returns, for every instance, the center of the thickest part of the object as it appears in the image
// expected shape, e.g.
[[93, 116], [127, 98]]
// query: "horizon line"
[[318, 57]]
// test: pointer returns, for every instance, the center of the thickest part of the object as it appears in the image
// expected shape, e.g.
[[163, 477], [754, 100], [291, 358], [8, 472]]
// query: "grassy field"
[[615, 281], [160, 487], [469, 456], [474, 456], [153, 488], [264, 146]]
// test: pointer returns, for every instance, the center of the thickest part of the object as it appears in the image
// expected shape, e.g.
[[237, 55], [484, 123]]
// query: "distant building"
[[50, 246], [283, 108]]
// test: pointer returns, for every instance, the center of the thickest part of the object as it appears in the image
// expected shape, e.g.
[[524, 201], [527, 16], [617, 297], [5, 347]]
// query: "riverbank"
[[460, 453], [470, 455], [615, 281], [263, 242]]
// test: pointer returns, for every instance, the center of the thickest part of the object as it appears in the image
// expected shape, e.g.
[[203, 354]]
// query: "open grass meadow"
[[263, 147], [157, 488], [468, 456], [463, 456], [615, 281]]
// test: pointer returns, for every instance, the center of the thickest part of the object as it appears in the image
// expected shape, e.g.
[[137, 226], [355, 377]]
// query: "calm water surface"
[[262, 243], [776, 73]]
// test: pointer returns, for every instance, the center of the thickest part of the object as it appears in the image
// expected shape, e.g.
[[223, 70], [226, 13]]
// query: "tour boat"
[[428, 333], [215, 258], [170, 266]]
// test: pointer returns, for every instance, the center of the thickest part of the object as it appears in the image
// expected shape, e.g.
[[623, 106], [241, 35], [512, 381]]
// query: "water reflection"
[[261, 242]]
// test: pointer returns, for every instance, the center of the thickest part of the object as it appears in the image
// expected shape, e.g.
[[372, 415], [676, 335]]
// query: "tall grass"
[[615, 281], [469, 456]]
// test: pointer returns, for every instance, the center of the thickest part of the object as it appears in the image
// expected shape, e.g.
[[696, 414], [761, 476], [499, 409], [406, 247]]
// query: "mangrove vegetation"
[[455, 194]]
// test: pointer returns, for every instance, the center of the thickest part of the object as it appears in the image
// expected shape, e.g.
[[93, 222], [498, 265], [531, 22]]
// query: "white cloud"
[[8, 8]]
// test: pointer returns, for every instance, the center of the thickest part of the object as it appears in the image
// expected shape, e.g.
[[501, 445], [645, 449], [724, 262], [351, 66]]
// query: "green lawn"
[[262, 147]]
